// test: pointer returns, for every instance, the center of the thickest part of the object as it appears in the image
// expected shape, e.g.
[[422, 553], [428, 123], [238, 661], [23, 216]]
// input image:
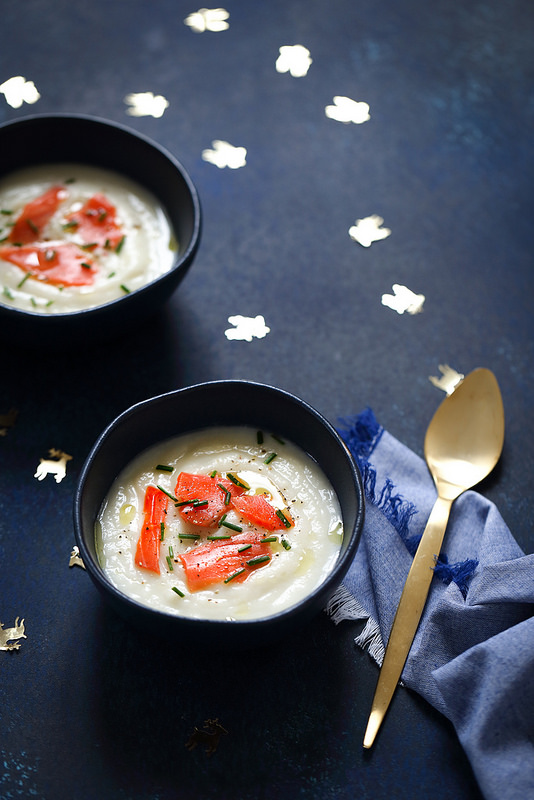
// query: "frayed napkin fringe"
[[344, 606]]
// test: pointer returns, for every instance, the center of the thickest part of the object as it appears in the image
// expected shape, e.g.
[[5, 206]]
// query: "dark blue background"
[[88, 707]]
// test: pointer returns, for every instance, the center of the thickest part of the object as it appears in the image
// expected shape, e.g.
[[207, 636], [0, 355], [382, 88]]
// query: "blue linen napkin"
[[473, 655]]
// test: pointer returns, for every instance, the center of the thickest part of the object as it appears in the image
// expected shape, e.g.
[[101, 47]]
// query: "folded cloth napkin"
[[473, 654]]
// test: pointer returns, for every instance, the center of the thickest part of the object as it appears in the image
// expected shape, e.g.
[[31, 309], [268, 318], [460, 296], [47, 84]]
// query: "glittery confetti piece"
[[56, 465], [247, 328], [347, 110], [403, 299], [8, 420], [368, 230], [7, 635], [18, 90], [75, 558], [295, 59], [208, 736], [208, 19], [146, 104], [225, 154], [449, 379]]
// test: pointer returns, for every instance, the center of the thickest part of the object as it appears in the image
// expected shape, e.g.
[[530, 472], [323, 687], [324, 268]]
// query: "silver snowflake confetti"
[[208, 19], [368, 230], [223, 154], [403, 300], [75, 558], [56, 465], [18, 90], [346, 110], [146, 104], [247, 328], [9, 635], [295, 59], [449, 379]]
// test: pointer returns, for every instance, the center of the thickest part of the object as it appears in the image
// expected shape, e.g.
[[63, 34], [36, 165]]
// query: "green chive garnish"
[[259, 437], [269, 539], [199, 503], [234, 575], [23, 281], [33, 302], [213, 474], [216, 536], [169, 563], [189, 536], [120, 245], [221, 521], [281, 516], [243, 548], [178, 591], [258, 560], [162, 531], [125, 288], [32, 225], [232, 527], [175, 499], [89, 246], [286, 545], [112, 275], [171, 551], [5, 211], [227, 495], [85, 265], [270, 458], [70, 226], [236, 481], [164, 468], [7, 293]]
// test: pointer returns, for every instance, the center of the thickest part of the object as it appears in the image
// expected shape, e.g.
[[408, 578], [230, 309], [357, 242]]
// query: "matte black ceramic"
[[56, 138], [197, 407]]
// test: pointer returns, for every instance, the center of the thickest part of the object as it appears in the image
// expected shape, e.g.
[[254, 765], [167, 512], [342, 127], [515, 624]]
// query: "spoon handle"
[[408, 614]]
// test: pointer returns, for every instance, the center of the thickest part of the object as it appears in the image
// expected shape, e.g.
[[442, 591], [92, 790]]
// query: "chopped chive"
[[258, 560], [125, 288], [178, 591], [112, 274], [179, 503], [236, 481], [169, 563], [166, 492], [213, 474], [32, 225], [281, 516], [7, 293], [49, 303], [227, 494], [85, 265], [234, 575], [70, 180], [286, 545], [270, 458], [259, 437], [89, 246], [107, 244], [278, 438], [269, 539], [171, 551], [216, 536], [161, 531], [221, 521], [33, 302], [164, 468], [189, 535], [5, 211], [243, 548], [120, 245], [232, 527], [23, 281], [199, 503], [70, 226]]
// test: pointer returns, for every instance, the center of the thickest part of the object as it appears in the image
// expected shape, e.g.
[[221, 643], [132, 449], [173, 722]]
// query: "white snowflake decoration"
[[146, 104], [368, 230], [223, 154], [403, 299], [247, 328], [295, 59], [347, 110], [18, 90], [208, 19]]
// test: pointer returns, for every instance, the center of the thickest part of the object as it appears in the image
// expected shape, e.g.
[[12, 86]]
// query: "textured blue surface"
[[89, 708]]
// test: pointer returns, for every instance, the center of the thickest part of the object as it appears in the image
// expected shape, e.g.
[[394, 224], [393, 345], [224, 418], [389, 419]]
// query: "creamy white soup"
[[268, 534], [74, 237]]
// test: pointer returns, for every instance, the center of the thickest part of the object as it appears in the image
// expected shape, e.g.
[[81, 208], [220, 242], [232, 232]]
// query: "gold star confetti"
[[368, 230], [56, 465], [8, 420], [75, 558], [247, 328], [449, 379], [223, 154], [347, 110], [146, 104], [208, 19], [403, 299], [7, 635], [295, 59], [18, 90]]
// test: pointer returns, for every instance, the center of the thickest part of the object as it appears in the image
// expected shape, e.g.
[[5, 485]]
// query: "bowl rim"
[[331, 581], [184, 257]]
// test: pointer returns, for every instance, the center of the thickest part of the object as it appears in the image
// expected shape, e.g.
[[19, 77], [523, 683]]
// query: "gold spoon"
[[462, 445]]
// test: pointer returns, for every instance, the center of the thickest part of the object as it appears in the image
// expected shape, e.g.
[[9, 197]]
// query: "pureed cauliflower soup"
[[224, 523], [74, 237]]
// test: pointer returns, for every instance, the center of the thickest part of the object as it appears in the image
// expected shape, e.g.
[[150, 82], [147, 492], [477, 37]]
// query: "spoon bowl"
[[462, 445]]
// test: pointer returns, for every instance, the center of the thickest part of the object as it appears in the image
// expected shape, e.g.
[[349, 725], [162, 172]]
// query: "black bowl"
[[66, 138], [219, 403]]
